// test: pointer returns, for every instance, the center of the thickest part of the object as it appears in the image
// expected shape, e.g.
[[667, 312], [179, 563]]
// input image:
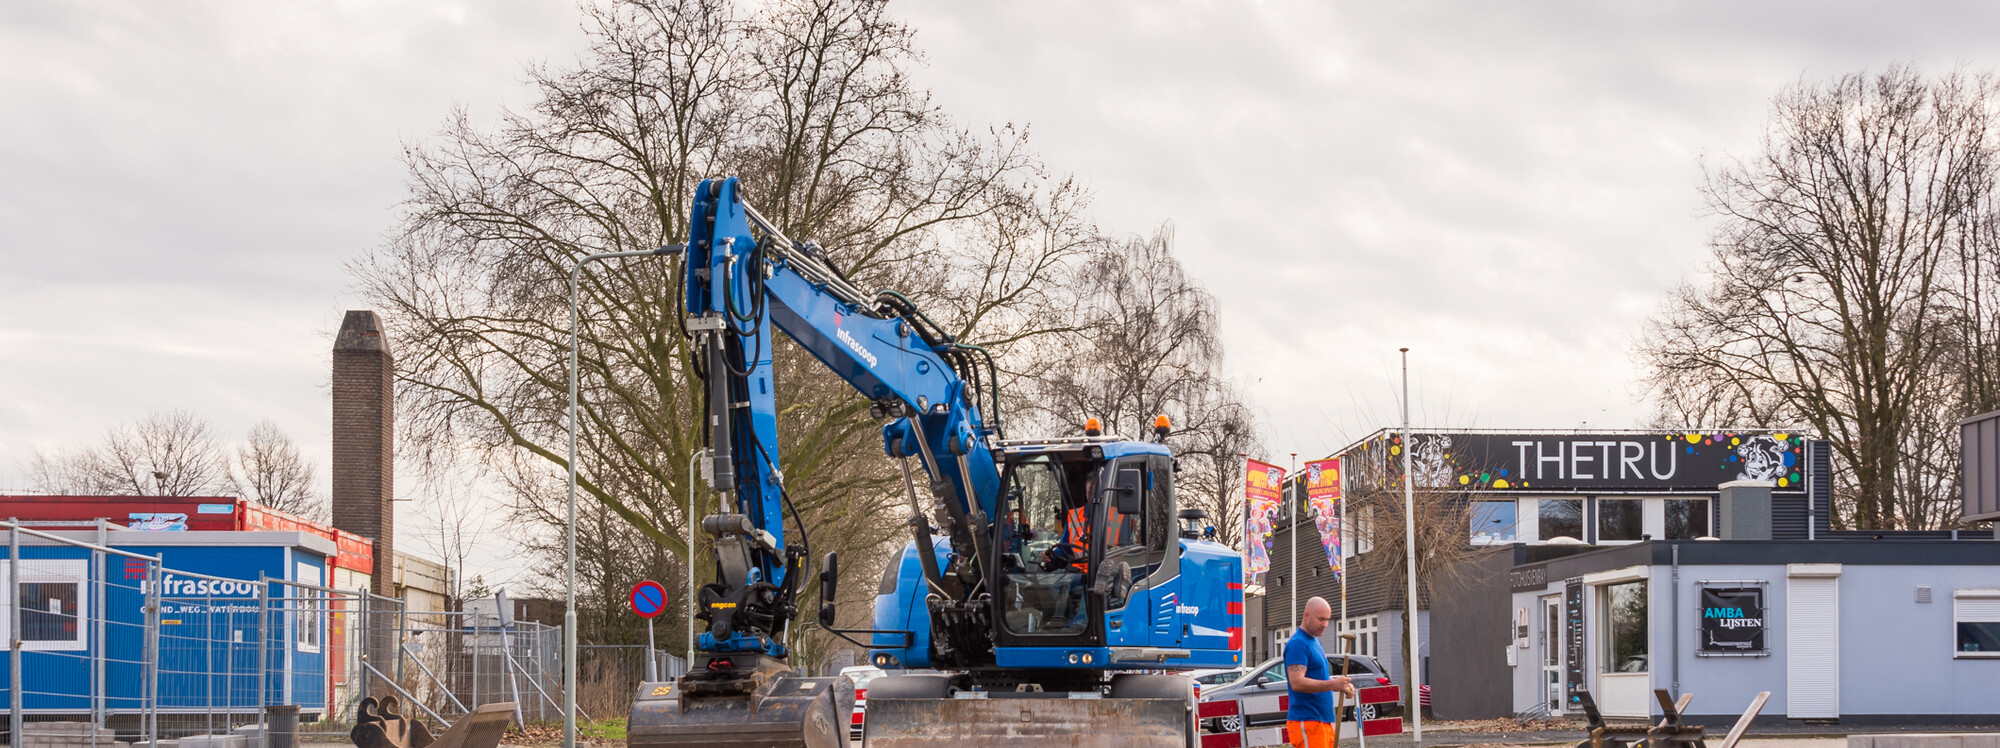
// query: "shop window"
[[1625, 628], [1560, 518], [1977, 615], [1492, 522], [1620, 519], [1687, 519]]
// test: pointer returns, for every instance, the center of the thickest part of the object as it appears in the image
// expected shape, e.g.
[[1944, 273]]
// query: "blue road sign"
[[649, 599]]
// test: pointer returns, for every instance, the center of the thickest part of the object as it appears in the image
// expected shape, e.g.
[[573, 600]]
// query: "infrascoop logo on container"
[[176, 585]]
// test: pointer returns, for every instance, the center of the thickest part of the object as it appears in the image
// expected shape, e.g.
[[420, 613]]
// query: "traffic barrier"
[[1220, 713]]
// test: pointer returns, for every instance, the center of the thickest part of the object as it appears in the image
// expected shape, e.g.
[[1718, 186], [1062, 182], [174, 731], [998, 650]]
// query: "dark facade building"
[[1578, 518]]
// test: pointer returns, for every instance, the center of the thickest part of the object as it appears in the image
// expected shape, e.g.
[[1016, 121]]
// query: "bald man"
[[1310, 721]]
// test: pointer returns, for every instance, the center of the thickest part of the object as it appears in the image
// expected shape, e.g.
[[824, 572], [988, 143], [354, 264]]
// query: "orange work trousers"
[[1309, 734]]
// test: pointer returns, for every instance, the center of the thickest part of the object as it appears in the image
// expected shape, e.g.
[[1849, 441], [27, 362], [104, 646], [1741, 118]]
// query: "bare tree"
[[809, 102], [1147, 342], [1830, 299], [1441, 510], [173, 453], [453, 519], [270, 470]]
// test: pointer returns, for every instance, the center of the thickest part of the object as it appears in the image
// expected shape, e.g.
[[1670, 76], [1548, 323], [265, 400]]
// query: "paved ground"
[[1760, 736]]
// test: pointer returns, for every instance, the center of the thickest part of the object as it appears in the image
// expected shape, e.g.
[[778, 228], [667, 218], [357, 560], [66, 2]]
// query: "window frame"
[[1985, 609], [70, 571], [308, 608], [1609, 659], [1510, 534], [1366, 631], [1542, 516], [1666, 514], [1597, 519]]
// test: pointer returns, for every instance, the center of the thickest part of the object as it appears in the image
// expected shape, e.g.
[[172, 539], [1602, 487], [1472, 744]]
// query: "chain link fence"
[[111, 645]]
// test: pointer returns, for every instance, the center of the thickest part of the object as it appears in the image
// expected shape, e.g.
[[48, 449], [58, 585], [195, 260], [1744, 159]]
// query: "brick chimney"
[[364, 439]]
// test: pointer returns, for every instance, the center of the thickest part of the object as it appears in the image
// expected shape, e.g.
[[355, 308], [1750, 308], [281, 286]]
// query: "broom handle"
[[1340, 706]]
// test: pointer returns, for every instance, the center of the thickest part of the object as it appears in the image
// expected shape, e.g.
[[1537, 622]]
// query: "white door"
[[1812, 641]]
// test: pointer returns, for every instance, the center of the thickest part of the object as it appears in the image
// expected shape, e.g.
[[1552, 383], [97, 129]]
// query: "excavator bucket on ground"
[[770, 707], [1028, 723]]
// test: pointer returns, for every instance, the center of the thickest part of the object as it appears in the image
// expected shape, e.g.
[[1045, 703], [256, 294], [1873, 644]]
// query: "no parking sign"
[[649, 599]]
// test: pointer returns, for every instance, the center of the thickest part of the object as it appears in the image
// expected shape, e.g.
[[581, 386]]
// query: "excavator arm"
[[743, 279]]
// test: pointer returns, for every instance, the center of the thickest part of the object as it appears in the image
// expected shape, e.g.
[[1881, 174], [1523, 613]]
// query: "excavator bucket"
[[1028, 723], [770, 707], [1138, 709]]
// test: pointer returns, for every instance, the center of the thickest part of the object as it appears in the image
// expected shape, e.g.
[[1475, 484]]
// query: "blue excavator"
[[1047, 599]]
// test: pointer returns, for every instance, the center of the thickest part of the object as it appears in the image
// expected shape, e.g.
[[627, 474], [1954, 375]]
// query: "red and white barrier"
[[1246, 736]]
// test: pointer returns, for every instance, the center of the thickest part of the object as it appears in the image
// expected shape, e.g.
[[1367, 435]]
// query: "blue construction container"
[[84, 623]]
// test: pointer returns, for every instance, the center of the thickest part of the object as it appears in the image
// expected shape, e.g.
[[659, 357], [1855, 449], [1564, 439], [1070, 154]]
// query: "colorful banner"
[[1262, 502], [1323, 493]]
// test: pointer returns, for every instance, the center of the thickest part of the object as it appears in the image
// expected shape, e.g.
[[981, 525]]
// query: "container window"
[[1977, 616], [49, 611]]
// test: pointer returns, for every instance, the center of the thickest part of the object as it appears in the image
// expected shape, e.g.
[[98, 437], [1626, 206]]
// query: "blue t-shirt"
[[1305, 650]]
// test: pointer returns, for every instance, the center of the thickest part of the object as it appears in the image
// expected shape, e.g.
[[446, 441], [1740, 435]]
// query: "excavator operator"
[[1073, 550]]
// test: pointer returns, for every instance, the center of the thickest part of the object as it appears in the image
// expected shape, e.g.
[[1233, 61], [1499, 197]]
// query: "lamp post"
[[693, 461], [1292, 521], [569, 530], [1243, 525], [1410, 551]]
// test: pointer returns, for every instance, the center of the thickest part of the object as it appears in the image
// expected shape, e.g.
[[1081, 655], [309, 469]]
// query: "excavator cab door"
[[1044, 540], [1141, 556]]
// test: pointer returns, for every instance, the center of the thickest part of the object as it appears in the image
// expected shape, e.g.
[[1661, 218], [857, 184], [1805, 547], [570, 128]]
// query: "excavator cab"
[[1086, 531]]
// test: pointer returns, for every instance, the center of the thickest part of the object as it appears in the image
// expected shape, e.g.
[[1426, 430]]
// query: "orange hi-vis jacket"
[[1076, 532], [1076, 535]]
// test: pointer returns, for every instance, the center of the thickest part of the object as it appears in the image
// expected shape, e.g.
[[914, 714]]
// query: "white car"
[[1211, 678], [861, 675]]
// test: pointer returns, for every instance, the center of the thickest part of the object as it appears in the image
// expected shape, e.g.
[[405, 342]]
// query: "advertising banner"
[[1262, 502], [1323, 493], [1658, 462], [1732, 619], [1574, 674]]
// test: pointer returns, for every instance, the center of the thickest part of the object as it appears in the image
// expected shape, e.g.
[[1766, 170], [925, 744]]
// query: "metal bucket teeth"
[[783, 712]]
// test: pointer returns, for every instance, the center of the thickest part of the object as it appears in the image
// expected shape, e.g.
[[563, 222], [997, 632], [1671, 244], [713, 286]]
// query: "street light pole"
[[569, 531], [1410, 550], [1292, 520], [693, 461]]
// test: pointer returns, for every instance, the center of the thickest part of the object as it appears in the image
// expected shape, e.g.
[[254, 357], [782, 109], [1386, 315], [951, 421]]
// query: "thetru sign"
[[1732, 621], [649, 600], [1657, 462]]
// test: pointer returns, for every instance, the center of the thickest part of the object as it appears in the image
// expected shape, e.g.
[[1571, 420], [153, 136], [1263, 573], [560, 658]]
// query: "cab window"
[[1041, 570]]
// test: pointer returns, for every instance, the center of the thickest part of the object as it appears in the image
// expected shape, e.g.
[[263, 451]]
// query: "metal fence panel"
[[113, 645]]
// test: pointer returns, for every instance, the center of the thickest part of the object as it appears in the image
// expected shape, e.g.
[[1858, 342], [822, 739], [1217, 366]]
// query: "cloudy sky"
[[1508, 189]]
